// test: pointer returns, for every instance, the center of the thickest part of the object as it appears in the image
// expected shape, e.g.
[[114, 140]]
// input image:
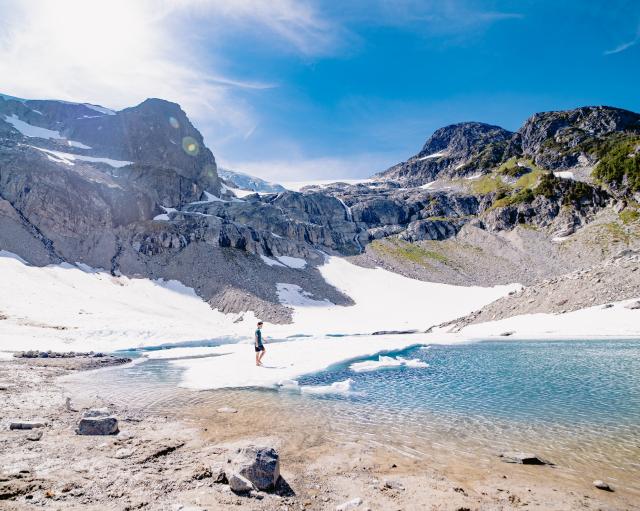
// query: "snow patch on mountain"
[[69, 159]]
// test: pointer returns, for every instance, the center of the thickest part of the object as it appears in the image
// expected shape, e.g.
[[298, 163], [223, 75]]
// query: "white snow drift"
[[31, 131]]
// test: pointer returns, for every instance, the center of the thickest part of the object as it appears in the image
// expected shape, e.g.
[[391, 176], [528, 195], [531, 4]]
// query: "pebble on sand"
[[349, 504], [601, 485], [26, 425], [523, 458]]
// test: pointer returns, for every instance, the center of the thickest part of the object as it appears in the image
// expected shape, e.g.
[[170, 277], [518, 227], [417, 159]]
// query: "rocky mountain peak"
[[574, 126], [155, 132], [462, 140]]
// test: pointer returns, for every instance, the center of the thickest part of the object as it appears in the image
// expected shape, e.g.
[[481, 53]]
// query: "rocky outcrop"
[[553, 140], [458, 149], [565, 139]]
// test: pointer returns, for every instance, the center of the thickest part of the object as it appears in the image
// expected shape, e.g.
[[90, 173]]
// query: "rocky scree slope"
[[615, 279]]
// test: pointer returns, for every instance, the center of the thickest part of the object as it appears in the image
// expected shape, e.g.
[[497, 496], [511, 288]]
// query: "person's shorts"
[[259, 348]]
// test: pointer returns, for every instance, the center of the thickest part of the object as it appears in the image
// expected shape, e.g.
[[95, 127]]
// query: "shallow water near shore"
[[576, 403]]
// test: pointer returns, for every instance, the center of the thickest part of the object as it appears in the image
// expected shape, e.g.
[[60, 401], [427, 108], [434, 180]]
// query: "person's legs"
[[261, 355], [258, 353]]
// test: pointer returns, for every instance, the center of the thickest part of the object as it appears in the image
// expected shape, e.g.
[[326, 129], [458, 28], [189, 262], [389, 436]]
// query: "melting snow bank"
[[234, 365], [384, 362], [611, 320]]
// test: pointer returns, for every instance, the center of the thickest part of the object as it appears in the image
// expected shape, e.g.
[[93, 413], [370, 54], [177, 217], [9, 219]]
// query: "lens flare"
[[190, 146], [210, 170], [174, 122]]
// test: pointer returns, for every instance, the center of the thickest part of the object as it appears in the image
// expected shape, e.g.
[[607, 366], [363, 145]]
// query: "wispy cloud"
[[625, 46], [432, 17], [119, 52]]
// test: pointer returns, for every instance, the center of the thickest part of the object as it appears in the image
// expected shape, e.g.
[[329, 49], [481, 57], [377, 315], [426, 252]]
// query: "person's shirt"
[[258, 337]]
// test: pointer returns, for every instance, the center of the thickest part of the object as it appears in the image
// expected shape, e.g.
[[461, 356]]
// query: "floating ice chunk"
[[344, 388], [383, 362]]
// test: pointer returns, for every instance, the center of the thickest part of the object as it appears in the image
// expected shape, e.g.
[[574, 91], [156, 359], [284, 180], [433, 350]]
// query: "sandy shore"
[[161, 461]]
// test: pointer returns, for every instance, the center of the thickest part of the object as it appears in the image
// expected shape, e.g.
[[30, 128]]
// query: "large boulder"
[[259, 465], [97, 422]]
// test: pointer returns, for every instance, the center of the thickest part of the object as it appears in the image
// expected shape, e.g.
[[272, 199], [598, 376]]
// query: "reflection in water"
[[576, 403]]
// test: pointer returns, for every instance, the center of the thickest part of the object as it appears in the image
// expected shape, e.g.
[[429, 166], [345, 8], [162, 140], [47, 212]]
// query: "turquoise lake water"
[[575, 402]]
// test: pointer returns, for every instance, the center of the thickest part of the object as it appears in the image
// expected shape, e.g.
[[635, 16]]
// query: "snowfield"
[[76, 307], [383, 301], [64, 307]]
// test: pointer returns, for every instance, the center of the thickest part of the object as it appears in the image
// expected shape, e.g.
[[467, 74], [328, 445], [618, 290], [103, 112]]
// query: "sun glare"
[[103, 33]]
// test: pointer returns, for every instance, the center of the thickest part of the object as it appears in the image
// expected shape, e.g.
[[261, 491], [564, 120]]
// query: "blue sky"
[[325, 89]]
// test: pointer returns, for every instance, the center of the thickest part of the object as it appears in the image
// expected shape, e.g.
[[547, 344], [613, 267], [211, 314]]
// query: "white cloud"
[[294, 169], [119, 52]]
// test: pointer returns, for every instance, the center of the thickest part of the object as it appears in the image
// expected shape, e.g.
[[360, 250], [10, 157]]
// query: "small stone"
[[35, 436], [601, 485], [523, 458], [349, 504], [218, 473], [507, 334], [239, 484], [393, 485], [123, 453], [227, 409], [633, 305], [26, 425]]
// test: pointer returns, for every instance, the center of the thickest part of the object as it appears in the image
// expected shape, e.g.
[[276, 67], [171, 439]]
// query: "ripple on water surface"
[[575, 402]]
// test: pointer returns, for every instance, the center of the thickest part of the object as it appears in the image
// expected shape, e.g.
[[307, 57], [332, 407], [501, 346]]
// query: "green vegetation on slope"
[[404, 250], [620, 163], [488, 184], [629, 216], [525, 195]]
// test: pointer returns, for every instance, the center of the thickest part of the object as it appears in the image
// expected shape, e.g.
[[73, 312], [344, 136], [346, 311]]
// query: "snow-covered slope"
[[76, 307], [65, 307]]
